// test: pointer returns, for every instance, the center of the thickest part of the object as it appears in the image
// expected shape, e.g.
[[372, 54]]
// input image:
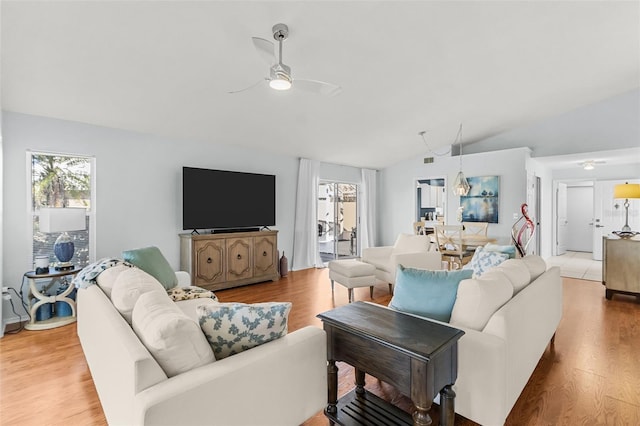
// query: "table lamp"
[[626, 190], [62, 220]]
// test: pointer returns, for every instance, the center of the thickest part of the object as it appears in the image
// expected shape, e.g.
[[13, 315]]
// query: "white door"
[[598, 225], [609, 213], [580, 218], [561, 219]]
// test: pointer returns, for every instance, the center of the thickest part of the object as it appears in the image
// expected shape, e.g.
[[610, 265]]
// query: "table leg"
[[332, 382], [447, 406], [359, 381]]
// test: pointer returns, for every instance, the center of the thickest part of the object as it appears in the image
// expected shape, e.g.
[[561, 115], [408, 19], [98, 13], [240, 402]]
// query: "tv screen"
[[221, 199]]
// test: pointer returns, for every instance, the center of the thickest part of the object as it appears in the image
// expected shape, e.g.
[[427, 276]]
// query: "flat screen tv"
[[221, 199]]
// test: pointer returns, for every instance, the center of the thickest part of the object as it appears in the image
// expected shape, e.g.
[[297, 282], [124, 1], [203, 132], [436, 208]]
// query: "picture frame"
[[481, 204]]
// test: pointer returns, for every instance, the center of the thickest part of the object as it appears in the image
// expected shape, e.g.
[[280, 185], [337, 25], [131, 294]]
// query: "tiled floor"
[[575, 264]]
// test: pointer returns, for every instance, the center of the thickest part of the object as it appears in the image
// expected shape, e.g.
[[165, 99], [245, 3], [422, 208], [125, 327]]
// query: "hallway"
[[576, 264]]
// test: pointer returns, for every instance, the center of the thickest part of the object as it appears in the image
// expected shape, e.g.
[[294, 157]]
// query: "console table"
[[620, 266], [225, 260], [416, 356]]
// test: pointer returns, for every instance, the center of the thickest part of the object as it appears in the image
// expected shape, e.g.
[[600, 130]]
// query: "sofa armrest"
[[376, 252], [251, 387], [431, 260], [184, 278]]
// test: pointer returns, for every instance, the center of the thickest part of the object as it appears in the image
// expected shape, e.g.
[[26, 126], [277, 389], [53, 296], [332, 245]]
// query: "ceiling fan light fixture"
[[280, 77], [280, 84]]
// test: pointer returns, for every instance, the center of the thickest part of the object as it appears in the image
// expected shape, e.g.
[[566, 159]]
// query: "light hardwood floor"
[[590, 376]]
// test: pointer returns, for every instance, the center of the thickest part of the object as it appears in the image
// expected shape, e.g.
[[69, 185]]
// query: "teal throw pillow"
[[430, 294], [151, 260], [506, 249], [231, 328]]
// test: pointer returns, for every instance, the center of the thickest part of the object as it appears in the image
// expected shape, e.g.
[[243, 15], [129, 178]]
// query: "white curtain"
[[368, 209], [305, 232]]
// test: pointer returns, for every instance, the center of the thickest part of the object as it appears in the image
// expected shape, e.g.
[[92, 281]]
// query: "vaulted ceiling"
[[165, 68]]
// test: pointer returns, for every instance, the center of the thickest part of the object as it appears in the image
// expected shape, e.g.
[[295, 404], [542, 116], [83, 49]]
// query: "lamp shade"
[[62, 219], [627, 190]]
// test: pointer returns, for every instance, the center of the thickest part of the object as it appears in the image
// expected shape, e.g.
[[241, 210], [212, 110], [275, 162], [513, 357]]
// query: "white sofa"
[[509, 316], [282, 382], [415, 251]]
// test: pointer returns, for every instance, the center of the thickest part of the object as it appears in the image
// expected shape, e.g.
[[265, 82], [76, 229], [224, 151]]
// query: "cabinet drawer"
[[266, 255], [239, 256], [208, 262]]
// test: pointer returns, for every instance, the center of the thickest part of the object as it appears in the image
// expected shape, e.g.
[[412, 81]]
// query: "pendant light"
[[460, 185]]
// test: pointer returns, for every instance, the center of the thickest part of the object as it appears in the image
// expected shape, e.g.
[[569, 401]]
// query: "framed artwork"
[[481, 203]]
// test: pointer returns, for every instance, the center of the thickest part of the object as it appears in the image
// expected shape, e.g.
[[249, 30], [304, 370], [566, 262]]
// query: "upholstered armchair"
[[413, 251]]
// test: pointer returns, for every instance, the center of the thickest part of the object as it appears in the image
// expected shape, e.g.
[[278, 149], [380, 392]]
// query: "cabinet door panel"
[[209, 262], [239, 258], [266, 255]]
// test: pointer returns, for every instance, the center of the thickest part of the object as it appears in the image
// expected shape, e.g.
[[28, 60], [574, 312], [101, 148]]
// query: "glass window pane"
[[60, 181]]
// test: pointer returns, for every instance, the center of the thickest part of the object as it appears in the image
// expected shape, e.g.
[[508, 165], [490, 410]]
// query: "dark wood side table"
[[416, 356]]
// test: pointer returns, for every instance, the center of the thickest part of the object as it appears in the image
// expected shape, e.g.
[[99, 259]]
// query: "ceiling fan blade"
[[315, 86], [266, 49], [250, 87]]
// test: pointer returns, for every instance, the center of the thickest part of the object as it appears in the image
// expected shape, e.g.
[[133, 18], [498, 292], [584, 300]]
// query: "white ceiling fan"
[[280, 74]]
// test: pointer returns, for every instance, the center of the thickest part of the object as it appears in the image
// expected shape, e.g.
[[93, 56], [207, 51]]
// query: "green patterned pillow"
[[232, 328], [190, 292]]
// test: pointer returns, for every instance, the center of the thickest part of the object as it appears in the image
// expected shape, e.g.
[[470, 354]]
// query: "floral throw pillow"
[[231, 328], [483, 260], [191, 292]]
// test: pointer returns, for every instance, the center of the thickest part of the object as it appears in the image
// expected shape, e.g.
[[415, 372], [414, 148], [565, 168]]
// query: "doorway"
[[337, 220]]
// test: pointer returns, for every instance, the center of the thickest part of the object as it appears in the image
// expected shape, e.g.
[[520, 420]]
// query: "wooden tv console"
[[226, 260]]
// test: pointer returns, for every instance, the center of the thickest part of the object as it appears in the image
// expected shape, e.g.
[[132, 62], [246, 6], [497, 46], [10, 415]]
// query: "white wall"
[[138, 181], [397, 189], [138, 184]]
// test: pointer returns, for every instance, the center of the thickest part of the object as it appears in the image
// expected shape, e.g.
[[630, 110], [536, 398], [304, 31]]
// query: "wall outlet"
[[5, 289], [6, 296]]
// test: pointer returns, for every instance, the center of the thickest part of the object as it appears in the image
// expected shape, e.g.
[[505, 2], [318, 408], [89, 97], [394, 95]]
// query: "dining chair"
[[474, 229], [449, 240]]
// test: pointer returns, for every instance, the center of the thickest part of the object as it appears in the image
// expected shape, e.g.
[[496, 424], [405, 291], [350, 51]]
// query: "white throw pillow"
[[478, 299], [175, 340], [108, 277], [536, 265], [129, 286], [408, 243], [483, 260], [517, 272], [232, 328]]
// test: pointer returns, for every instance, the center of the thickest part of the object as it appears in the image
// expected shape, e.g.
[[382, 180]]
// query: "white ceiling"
[[165, 68]]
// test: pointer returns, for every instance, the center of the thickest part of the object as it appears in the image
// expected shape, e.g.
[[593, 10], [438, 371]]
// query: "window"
[[60, 180]]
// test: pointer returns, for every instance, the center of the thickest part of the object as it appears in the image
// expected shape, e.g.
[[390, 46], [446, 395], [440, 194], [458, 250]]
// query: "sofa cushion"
[[190, 292], [232, 328], [188, 307], [517, 272], [483, 260], [128, 286], [408, 243], [536, 265], [175, 340], [478, 298], [151, 260], [426, 293], [108, 277], [506, 249]]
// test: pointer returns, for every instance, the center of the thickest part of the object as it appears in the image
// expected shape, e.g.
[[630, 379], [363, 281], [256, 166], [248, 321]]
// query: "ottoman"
[[352, 273]]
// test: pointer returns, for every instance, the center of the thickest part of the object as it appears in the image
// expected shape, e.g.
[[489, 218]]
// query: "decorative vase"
[[284, 265]]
